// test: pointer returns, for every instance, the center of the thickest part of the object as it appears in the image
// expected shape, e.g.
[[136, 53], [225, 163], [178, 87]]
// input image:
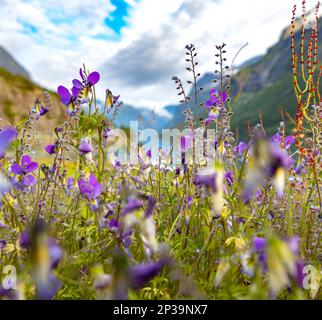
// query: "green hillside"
[[266, 88], [267, 102]]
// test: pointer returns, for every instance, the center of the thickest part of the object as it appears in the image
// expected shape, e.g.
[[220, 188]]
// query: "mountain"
[[266, 87], [10, 64], [261, 86], [250, 61], [18, 93], [127, 113]]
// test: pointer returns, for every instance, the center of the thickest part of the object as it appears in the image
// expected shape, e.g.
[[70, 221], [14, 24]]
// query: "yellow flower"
[[239, 243]]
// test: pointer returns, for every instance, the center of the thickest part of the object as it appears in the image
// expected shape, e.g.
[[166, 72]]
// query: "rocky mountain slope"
[[18, 93], [266, 88], [10, 64]]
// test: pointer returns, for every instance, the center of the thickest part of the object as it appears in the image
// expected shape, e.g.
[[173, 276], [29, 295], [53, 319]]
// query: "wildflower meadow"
[[102, 212]]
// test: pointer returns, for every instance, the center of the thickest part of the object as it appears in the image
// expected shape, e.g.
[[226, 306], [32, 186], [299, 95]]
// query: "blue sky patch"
[[116, 20], [29, 28]]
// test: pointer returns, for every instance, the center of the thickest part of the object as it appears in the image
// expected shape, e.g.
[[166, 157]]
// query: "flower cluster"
[[244, 223]]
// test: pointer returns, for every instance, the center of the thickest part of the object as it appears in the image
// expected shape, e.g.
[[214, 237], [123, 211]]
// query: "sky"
[[136, 45]]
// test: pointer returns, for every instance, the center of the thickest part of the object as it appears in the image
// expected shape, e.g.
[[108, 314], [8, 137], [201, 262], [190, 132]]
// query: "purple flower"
[[110, 100], [114, 225], [149, 154], [188, 201], [223, 96], [58, 130], [187, 141], [2, 244], [27, 166], [240, 148], [293, 244], [126, 239], [43, 110], [55, 253], [151, 204], [300, 275], [77, 84], [212, 115], [213, 101], [208, 121], [229, 178], [6, 136], [143, 273], [24, 170], [91, 80], [289, 141], [90, 188], [66, 97], [115, 99], [259, 243], [47, 288], [216, 99], [39, 109], [50, 149], [70, 185], [108, 133], [132, 205], [207, 180], [276, 138], [24, 239], [85, 147], [10, 294]]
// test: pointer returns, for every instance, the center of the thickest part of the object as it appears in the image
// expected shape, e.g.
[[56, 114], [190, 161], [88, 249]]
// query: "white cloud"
[[140, 64]]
